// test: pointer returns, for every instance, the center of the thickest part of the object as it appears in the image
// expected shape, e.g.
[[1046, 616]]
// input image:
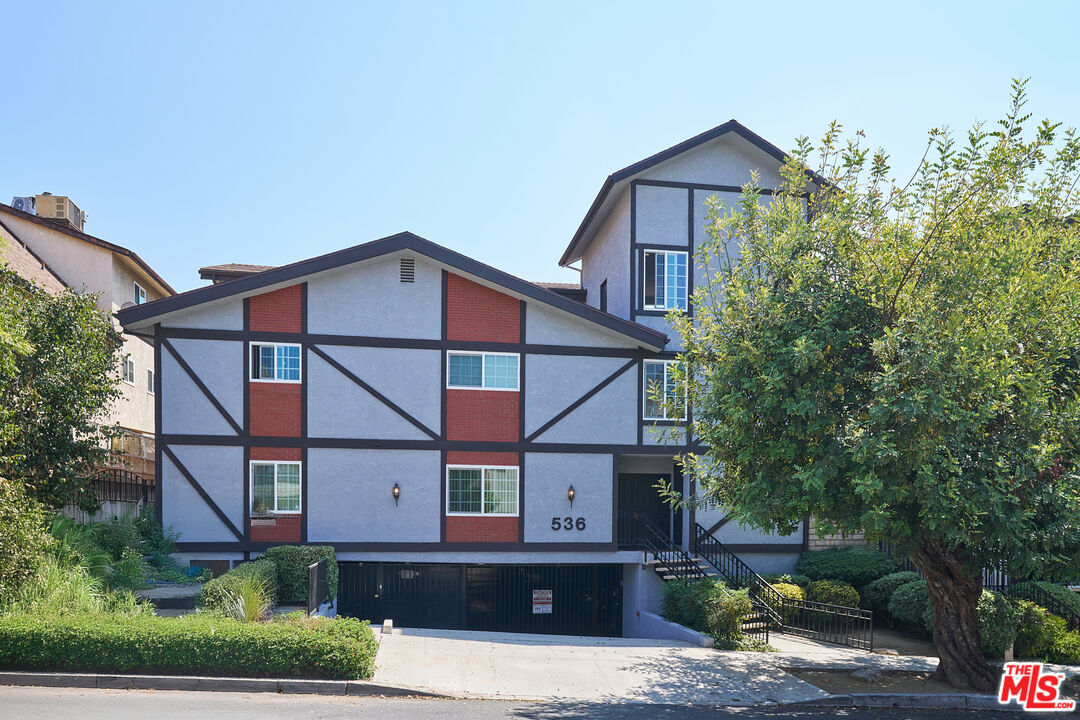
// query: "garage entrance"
[[547, 599]]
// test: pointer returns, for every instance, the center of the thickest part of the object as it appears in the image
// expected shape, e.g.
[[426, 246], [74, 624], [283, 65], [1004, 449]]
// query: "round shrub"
[[997, 623], [876, 595], [853, 565], [787, 590], [910, 603], [1035, 631], [833, 592]]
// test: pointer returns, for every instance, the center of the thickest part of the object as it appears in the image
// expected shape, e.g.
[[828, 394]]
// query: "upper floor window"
[[140, 294], [150, 381], [275, 487], [665, 280], [482, 371], [664, 398], [275, 362], [129, 370], [481, 490]]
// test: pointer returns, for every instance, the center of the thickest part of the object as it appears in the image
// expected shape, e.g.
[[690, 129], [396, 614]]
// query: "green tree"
[[900, 358], [59, 359]]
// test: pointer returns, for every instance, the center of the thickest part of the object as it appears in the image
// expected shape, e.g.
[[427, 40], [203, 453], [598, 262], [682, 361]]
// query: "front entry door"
[[638, 495]]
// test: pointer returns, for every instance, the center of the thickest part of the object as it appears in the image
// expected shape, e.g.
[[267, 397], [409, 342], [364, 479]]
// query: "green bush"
[[1061, 593], [292, 563], [854, 565], [217, 594], [833, 592], [786, 578], [910, 603], [1064, 646], [155, 540], [129, 572], [708, 607], [116, 536], [1035, 631], [249, 599], [23, 536], [199, 644], [997, 623], [787, 590], [876, 595]]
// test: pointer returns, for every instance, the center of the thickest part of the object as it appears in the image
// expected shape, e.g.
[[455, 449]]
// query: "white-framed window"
[[275, 488], [275, 362], [660, 374], [140, 294], [664, 280], [481, 370], [129, 370], [150, 381], [481, 490]]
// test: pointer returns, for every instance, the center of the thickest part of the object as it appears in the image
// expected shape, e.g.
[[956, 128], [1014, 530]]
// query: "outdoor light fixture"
[[571, 494], [397, 493]]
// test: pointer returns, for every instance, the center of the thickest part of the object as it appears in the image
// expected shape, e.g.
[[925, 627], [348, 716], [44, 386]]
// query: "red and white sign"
[[541, 602], [1027, 684]]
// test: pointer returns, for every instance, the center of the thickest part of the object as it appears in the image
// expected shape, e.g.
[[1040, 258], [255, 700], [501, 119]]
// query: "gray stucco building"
[[428, 415]]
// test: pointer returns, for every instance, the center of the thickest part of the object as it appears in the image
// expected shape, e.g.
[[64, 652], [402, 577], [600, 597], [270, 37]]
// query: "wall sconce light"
[[397, 493], [571, 494]]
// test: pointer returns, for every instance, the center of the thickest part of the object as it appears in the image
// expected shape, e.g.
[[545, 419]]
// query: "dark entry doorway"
[[639, 497]]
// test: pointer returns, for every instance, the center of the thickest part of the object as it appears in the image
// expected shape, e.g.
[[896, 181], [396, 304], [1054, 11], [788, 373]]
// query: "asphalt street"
[[31, 703]]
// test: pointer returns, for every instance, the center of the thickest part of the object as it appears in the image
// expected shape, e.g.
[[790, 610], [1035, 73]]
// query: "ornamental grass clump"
[[249, 599]]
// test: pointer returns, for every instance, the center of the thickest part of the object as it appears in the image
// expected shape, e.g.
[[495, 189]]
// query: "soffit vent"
[[408, 269]]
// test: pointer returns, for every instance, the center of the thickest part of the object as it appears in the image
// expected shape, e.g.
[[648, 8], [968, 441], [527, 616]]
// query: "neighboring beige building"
[[53, 253]]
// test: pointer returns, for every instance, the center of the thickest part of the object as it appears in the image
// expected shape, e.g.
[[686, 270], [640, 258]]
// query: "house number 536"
[[567, 523]]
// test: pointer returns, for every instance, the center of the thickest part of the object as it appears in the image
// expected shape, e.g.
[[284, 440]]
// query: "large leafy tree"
[[901, 359], [59, 359]]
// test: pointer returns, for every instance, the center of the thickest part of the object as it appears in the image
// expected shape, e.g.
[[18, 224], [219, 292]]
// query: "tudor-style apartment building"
[[479, 449]]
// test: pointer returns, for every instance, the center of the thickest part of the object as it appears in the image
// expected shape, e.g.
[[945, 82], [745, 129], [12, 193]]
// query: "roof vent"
[[408, 269]]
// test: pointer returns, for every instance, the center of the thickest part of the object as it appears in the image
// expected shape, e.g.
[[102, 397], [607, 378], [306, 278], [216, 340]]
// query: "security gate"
[[547, 599]]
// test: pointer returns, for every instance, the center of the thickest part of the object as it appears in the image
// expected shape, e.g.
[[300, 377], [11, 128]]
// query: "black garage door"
[[550, 599]]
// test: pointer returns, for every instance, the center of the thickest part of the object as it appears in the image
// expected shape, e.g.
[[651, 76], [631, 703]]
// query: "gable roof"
[[26, 263], [90, 239], [394, 243], [576, 247]]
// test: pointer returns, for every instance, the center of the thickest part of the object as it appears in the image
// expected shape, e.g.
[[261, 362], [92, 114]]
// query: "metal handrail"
[[673, 558], [838, 624], [1034, 593]]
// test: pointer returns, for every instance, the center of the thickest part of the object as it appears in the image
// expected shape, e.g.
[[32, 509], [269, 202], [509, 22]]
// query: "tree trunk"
[[954, 596]]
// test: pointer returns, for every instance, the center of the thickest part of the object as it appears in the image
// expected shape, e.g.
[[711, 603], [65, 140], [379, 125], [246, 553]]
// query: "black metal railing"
[[317, 587], [673, 562], [117, 485], [993, 577], [837, 624], [1034, 593]]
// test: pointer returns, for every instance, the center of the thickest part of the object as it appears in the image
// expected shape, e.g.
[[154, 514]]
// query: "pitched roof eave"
[[140, 314]]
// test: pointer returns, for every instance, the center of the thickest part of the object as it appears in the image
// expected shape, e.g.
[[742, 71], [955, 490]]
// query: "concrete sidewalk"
[[537, 667]]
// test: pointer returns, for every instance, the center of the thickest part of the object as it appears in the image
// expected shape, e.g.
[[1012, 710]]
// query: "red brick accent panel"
[[482, 415], [471, 528], [277, 311], [467, 457], [275, 409], [475, 312], [283, 528], [276, 453]]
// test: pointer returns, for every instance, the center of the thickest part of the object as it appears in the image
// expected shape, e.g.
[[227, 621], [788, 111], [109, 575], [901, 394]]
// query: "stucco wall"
[[607, 417], [606, 258], [220, 472], [548, 477], [554, 382], [227, 314]]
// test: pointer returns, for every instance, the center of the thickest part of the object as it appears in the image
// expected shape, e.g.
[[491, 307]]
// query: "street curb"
[[942, 701], [211, 684]]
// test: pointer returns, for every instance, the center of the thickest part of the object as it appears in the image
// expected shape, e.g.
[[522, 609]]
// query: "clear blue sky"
[[198, 133]]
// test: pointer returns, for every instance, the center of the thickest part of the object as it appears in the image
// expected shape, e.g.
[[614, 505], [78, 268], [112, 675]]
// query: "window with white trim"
[[129, 370], [275, 488], [140, 294], [664, 282], [150, 381], [482, 371], [480, 490], [660, 382], [275, 362]]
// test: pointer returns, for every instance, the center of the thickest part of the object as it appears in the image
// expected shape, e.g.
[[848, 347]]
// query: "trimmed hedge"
[[833, 592], [291, 563], [790, 591], [854, 565], [998, 620], [216, 593], [198, 644], [910, 603], [1036, 631], [876, 595]]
